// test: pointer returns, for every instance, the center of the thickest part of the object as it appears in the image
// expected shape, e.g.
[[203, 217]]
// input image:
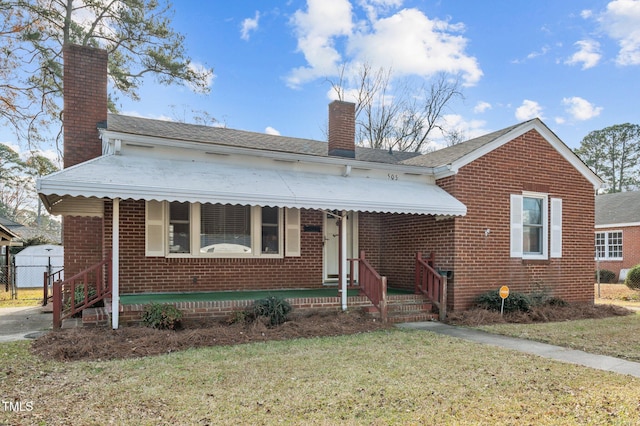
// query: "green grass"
[[390, 377], [26, 297]]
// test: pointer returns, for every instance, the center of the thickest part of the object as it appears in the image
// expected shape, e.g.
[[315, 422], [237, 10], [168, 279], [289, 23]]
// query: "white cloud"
[[481, 107], [199, 68], [467, 129], [586, 14], [317, 29], [408, 41], [559, 120], [588, 54], [581, 109], [249, 25], [621, 21], [528, 110], [271, 131]]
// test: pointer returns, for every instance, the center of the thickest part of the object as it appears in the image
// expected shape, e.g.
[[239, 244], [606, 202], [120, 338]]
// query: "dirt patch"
[[546, 313], [130, 342]]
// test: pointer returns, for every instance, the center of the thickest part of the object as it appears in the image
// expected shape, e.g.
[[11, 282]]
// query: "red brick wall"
[[85, 105], [630, 249], [139, 274], [482, 262], [404, 236]]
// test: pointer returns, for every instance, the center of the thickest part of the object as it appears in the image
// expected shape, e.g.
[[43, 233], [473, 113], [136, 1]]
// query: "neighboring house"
[[188, 208], [618, 231]]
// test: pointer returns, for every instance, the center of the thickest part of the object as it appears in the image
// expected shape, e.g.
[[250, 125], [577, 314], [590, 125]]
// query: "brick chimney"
[[85, 102], [342, 129]]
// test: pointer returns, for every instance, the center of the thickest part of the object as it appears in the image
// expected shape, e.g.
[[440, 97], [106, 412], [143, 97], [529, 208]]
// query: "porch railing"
[[430, 283], [371, 284], [47, 282], [81, 291]]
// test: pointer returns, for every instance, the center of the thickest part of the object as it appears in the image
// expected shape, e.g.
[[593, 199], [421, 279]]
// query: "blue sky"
[[573, 63]]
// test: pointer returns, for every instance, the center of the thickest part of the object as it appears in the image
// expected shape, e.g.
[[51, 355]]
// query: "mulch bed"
[[138, 341], [131, 342]]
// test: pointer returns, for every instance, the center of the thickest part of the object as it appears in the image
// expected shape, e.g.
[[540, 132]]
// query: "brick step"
[[405, 308], [96, 317], [409, 307], [412, 317]]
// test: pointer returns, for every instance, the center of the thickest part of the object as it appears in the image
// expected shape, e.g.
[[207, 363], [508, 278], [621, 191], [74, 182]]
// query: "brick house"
[[618, 231], [187, 208]]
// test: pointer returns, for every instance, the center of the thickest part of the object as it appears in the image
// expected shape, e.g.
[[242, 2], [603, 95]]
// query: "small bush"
[[275, 309], [516, 302], [633, 278], [161, 315], [606, 276]]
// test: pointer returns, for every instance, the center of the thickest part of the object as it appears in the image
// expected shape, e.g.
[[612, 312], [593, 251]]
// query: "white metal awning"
[[73, 190]]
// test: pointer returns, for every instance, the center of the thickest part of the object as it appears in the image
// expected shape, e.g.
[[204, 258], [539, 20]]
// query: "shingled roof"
[[241, 138], [618, 208], [445, 156]]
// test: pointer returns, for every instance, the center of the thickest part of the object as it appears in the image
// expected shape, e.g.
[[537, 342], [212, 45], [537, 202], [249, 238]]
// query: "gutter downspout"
[[343, 258], [115, 266]]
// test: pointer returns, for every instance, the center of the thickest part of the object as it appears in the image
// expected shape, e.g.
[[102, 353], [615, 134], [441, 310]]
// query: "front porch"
[[92, 295], [403, 305]]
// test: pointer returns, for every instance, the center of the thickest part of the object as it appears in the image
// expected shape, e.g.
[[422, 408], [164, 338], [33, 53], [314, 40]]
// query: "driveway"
[[23, 323]]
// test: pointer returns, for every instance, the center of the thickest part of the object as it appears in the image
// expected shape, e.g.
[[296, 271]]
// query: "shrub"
[[275, 309], [161, 315], [492, 301], [606, 276], [633, 278], [78, 298]]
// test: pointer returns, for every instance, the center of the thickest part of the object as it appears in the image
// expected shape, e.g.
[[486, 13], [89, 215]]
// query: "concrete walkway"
[[599, 362], [24, 323]]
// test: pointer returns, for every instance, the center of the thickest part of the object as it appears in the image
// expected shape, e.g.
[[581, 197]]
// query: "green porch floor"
[[132, 299]]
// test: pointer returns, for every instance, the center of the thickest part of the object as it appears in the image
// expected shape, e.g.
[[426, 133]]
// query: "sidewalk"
[[599, 362], [23, 323]]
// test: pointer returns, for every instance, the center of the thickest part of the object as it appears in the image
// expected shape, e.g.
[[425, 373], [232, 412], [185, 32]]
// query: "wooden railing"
[[430, 283], [47, 282], [81, 291], [370, 283]]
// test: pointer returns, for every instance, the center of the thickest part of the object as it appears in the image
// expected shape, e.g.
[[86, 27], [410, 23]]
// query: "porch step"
[[406, 308], [96, 317]]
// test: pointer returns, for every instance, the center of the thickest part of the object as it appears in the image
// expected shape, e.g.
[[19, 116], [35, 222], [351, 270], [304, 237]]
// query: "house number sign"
[[392, 176]]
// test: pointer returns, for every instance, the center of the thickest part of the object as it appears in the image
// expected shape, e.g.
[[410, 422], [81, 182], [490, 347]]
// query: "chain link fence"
[[14, 278]]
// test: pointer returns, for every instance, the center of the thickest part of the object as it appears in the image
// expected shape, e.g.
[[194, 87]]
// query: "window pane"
[[270, 240], [600, 246], [179, 239], [532, 240], [225, 229], [532, 211], [615, 244]]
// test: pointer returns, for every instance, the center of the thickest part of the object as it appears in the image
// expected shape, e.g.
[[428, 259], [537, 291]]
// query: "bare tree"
[[395, 114]]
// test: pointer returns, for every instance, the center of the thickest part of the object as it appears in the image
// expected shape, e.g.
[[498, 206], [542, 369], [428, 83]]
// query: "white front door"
[[331, 229]]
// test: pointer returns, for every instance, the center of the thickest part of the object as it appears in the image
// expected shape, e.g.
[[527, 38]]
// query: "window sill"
[[535, 261]]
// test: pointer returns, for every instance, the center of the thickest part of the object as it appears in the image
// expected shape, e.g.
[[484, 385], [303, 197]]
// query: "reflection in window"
[[225, 229], [270, 242], [179, 240], [532, 225]]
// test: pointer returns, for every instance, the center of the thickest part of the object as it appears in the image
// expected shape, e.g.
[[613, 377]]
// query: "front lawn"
[[385, 377]]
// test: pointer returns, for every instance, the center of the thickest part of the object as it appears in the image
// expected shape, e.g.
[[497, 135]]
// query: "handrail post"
[[57, 304], [443, 299], [383, 301], [45, 289]]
